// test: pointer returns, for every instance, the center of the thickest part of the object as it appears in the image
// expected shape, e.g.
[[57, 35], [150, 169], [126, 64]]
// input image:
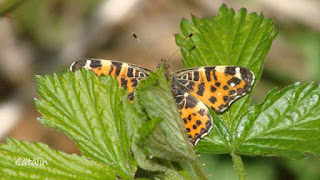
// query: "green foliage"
[[51, 164], [89, 110], [285, 124]]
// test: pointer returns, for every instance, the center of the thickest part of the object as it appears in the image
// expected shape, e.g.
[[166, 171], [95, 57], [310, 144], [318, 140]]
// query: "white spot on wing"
[[220, 68], [106, 63], [238, 74], [87, 66]]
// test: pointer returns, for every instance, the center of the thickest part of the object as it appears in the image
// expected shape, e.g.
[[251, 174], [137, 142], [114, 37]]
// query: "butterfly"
[[194, 89]]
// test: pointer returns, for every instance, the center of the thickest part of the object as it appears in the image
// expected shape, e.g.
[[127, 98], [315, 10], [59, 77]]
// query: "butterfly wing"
[[194, 113], [216, 86], [128, 75]]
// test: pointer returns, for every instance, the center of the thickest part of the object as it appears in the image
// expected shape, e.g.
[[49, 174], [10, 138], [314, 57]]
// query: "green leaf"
[[143, 127], [231, 38], [24, 160], [168, 139], [286, 123], [89, 110]]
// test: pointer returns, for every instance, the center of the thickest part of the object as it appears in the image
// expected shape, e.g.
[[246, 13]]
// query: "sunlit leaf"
[[89, 110]]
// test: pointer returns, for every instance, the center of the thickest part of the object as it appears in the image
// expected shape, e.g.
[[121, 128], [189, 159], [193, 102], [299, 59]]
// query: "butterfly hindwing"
[[216, 86], [128, 75], [194, 113]]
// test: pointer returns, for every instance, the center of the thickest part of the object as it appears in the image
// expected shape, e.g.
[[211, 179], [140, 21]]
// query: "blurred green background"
[[43, 37]]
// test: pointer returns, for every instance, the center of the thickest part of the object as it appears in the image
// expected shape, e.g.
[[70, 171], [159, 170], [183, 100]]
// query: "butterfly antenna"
[[148, 50], [182, 46]]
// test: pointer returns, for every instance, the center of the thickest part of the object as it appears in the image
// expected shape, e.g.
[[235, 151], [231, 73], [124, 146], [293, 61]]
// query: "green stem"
[[197, 169], [238, 165]]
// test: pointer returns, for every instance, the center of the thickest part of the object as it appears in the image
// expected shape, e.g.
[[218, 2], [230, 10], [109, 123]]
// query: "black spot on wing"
[[184, 120], [208, 124], [78, 64], [190, 85], [124, 83], [111, 69], [197, 136], [225, 98], [95, 64], [231, 92], [118, 66], [130, 96], [200, 89], [213, 100], [213, 89], [196, 76], [203, 131], [134, 82], [207, 72], [190, 102], [239, 90], [230, 70], [184, 82], [179, 99], [214, 75], [234, 80], [141, 74], [202, 111], [245, 74], [130, 72]]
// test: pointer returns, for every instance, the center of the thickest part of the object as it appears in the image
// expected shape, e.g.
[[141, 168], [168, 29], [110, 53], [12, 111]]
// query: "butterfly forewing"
[[128, 75], [216, 86]]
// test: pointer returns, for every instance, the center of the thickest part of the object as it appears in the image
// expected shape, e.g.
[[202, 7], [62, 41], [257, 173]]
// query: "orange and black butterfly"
[[193, 89]]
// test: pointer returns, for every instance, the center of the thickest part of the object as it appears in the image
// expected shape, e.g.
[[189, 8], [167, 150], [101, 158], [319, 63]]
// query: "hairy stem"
[[238, 165], [197, 169]]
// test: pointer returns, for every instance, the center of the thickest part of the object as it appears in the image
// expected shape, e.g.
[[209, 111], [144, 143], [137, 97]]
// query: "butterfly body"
[[193, 89]]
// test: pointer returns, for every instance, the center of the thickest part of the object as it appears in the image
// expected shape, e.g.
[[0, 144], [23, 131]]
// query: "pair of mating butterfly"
[[193, 89]]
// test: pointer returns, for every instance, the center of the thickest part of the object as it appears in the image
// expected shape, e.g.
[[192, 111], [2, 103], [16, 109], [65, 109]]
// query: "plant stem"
[[238, 165], [197, 169]]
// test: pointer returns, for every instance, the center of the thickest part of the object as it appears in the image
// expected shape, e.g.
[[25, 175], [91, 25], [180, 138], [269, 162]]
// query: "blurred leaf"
[[227, 39], [310, 45], [46, 163], [306, 169], [220, 167], [7, 5], [286, 123], [89, 110]]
